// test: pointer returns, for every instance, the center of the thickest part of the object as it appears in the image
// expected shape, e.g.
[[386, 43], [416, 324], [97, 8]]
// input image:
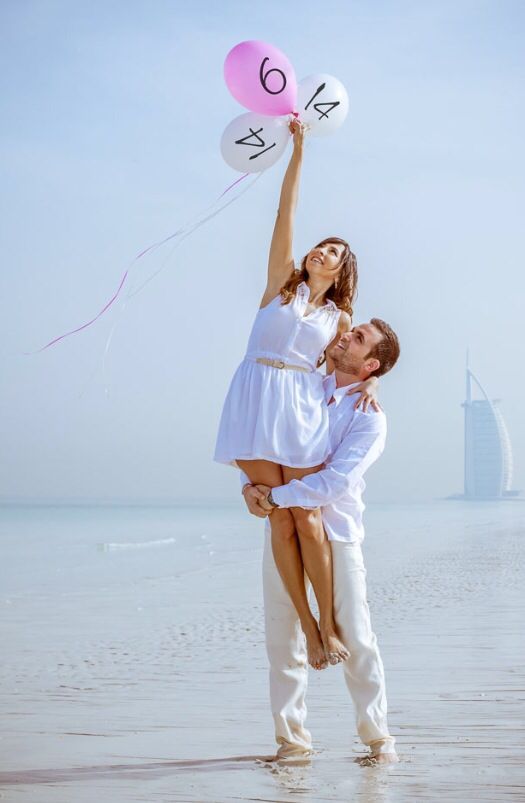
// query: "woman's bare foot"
[[314, 647], [333, 646]]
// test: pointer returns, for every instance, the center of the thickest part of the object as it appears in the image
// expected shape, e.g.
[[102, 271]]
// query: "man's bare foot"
[[379, 758], [315, 650], [333, 646]]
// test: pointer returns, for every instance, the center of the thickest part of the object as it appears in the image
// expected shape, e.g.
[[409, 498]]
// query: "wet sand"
[[156, 688]]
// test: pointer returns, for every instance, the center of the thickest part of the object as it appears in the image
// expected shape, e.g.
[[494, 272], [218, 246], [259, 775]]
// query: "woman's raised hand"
[[298, 130]]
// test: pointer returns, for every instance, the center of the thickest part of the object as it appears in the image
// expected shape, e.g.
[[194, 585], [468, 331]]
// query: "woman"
[[274, 424]]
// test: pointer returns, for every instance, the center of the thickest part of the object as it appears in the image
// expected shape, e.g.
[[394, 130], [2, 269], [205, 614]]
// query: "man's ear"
[[371, 365]]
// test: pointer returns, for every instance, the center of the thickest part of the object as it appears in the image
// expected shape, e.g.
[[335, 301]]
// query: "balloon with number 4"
[[252, 142], [322, 103], [261, 78]]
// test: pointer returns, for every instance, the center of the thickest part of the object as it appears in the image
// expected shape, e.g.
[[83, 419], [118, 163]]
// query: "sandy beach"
[[134, 665]]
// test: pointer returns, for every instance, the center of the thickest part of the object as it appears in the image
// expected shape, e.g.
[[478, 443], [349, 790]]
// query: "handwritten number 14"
[[317, 106], [260, 143]]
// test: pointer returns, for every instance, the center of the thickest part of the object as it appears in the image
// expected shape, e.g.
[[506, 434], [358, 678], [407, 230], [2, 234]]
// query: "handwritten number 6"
[[264, 75]]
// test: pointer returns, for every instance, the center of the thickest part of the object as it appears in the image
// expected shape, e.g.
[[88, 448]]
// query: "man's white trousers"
[[286, 648]]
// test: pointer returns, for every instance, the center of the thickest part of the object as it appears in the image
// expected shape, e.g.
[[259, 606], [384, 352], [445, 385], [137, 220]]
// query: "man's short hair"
[[387, 350]]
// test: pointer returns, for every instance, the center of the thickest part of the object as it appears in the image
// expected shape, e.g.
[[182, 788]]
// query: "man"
[[357, 438]]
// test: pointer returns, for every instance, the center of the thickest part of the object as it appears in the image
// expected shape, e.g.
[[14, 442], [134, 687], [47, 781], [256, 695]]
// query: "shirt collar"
[[337, 393]]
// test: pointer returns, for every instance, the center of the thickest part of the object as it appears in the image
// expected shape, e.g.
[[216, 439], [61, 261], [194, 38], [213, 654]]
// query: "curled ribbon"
[[183, 232]]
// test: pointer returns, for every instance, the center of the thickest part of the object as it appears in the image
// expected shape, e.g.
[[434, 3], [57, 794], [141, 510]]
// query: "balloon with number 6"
[[322, 103], [253, 142], [261, 78]]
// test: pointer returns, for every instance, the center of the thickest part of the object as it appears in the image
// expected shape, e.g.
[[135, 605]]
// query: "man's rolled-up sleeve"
[[244, 479], [360, 447]]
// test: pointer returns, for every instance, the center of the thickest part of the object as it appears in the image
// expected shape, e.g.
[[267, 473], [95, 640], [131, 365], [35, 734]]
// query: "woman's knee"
[[282, 524], [307, 522]]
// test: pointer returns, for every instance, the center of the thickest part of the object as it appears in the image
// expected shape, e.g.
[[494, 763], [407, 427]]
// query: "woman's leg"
[[287, 555], [317, 559]]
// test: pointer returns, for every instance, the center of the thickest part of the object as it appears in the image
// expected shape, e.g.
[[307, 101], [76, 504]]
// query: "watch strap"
[[271, 500]]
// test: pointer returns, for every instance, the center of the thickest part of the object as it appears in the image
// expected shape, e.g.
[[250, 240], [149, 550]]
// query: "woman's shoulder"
[[345, 321]]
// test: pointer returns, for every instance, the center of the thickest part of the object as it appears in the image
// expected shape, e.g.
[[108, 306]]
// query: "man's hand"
[[255, 498], [265, 490]]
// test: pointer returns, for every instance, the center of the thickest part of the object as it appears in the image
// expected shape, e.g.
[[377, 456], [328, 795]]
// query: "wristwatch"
[[271, 500]]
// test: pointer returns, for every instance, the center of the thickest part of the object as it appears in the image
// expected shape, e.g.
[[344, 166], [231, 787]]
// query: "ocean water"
[[58, 549], [142, 557], [138, 570], [133, 647]]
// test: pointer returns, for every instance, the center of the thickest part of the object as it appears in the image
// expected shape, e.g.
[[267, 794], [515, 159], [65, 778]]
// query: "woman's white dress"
[[280, 414]]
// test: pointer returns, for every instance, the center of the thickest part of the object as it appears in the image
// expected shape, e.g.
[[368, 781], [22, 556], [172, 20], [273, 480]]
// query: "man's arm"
[[360, 447]]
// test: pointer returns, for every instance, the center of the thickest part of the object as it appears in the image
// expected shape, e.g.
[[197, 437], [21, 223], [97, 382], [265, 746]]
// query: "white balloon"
[[253, 142], [322, 103]]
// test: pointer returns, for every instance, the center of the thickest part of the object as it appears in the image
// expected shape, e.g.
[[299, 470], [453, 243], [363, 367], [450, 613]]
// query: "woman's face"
[[322, 262]]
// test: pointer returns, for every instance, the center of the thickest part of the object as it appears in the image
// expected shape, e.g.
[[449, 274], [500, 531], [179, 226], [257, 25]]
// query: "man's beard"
[[346, 363]]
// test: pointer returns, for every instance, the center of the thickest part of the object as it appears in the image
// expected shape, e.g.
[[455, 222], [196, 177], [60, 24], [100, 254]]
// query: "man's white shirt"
[[356, 441]]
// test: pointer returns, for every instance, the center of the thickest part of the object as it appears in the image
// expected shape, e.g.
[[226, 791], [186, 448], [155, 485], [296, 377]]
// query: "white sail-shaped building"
[[488, 452]]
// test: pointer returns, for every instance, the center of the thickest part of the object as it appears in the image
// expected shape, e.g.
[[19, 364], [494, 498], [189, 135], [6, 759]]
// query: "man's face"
[[350, 352]]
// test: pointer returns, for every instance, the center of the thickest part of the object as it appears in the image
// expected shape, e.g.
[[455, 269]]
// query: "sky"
[[112, 116]]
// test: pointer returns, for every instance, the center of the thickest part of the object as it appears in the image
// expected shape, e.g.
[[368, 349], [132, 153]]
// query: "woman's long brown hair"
[[344, 290]]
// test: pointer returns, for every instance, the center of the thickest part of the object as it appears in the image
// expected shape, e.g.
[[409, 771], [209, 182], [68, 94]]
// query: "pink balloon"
[[261, 78]]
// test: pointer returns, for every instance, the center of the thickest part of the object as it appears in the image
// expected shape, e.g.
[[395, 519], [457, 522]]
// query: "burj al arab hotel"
[[488, 452]]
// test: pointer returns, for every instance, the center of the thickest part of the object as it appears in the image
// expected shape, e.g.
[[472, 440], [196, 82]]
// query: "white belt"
[[281, 364]]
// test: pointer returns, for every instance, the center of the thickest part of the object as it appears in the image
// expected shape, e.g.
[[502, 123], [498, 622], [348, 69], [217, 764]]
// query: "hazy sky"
[[112, 115]]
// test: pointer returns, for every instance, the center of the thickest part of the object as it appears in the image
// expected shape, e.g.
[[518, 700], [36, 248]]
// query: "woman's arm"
[[368, 394], [280, 260]]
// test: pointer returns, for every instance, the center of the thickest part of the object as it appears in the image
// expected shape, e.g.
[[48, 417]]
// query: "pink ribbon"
[[124, 277]]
